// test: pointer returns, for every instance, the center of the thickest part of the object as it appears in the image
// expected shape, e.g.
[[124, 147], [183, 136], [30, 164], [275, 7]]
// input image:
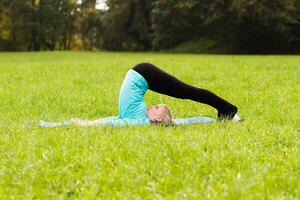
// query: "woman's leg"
[[164, 83]]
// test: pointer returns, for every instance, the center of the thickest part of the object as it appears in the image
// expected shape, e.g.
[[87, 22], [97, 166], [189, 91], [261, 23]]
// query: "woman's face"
[[156, 112]]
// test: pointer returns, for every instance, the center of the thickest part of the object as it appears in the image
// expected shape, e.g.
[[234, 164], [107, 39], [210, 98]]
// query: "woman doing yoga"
[[144, 76]]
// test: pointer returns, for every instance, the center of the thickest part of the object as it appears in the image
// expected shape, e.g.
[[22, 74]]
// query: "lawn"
[[256, 159]]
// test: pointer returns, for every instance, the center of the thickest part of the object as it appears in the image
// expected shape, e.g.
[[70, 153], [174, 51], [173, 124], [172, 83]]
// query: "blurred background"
[[191, 26]]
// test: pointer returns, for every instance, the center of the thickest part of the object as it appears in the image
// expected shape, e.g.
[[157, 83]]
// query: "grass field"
[[256, 159]]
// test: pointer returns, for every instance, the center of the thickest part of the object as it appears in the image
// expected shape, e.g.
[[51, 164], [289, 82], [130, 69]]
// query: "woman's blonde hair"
[[167, 118]]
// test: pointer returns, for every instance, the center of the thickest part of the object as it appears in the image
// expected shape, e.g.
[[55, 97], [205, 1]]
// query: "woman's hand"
[[79, 122], [75, 121]]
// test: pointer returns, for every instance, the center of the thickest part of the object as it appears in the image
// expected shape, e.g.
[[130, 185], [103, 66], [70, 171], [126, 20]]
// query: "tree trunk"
[[34, 44]]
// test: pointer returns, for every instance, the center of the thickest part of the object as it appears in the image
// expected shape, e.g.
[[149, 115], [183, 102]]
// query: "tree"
[[56, 23], [14, 16], [246, 26], [90, 25], [37, 24], [270, 24], [126, 25], [174, 22]]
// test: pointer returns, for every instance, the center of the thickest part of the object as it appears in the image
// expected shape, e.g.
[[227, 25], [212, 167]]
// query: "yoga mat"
[[179, 121]]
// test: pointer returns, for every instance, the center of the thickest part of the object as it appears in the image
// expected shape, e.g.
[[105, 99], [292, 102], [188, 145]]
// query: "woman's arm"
[[108, 121], [79, 122]]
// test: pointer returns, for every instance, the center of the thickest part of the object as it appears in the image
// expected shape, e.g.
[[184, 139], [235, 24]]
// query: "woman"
[[144, 76]]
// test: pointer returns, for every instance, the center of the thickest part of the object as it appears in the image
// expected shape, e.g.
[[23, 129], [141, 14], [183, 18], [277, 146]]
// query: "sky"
[[100, 4]]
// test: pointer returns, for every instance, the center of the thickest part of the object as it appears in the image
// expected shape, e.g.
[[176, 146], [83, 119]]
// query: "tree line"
[[242, 26]]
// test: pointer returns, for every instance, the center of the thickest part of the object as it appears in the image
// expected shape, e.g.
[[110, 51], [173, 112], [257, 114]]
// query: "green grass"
[[256, 159]]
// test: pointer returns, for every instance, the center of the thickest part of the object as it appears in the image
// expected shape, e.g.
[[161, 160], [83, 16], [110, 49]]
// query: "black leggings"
[[164, 83]]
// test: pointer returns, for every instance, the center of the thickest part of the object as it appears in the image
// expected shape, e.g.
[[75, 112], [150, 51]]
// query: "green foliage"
[[244, 26], [255, 159], [91, 28], [167, 26], [127, 25], [38, 25], [265, 26], [55, 32], [14, 15]]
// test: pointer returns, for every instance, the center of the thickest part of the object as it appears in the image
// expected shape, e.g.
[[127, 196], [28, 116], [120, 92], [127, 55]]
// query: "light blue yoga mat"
[[179, 121]]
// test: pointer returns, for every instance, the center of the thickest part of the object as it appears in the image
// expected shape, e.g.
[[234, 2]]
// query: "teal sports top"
[[131, 100], [132, 106]]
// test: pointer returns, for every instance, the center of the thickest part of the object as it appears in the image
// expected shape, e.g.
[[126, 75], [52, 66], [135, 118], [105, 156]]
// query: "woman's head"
[[160, 114]]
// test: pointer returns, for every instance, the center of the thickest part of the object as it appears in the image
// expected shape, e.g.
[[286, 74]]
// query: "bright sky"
[[100, 4]]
